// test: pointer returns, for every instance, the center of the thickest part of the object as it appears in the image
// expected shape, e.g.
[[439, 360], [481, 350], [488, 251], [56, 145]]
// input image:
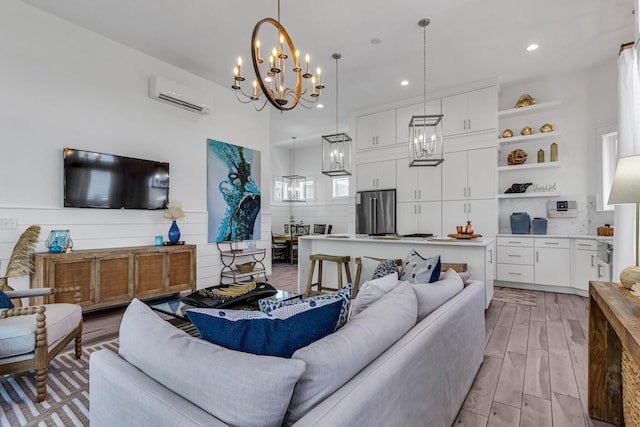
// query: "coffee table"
[[178, 309]]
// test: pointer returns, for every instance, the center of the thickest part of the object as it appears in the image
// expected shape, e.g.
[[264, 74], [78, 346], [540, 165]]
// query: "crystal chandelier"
[[425, 131], [280, 88], [294, 186], [336, 148]]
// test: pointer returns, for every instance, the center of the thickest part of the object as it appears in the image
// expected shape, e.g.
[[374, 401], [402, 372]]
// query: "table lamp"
[[626, 189]]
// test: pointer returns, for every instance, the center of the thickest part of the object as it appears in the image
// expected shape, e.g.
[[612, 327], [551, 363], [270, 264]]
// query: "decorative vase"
[[174, 232], [469, 228]]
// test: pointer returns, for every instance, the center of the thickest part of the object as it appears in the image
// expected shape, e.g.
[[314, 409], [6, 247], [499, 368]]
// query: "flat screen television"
[[98, 180]]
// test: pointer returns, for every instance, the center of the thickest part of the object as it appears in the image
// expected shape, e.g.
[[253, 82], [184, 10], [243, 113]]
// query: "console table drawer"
[[515, 255], [515, 241]]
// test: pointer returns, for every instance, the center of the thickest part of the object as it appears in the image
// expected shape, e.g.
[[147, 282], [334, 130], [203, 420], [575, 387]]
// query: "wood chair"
[[340, 261], [50, 334], [279, 249], [303, 230]]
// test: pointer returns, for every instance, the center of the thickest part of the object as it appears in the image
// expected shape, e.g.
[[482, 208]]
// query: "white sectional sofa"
[[385, 367]]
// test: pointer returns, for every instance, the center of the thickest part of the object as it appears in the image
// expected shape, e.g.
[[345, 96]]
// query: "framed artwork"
[[233, 192]]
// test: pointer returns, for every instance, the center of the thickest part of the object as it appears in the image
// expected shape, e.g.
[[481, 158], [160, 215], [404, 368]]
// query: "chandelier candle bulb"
[[255, 89], [319, 85], [296, 67], [240, 78], [260, 60], [313, 86], [306, 74]]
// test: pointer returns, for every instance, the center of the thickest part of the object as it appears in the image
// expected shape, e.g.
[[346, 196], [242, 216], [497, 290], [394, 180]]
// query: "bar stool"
[[339, 260]]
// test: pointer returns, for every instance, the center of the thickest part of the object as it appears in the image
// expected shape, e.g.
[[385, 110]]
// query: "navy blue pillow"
[[5, 302], [279, 333], [417, 269]]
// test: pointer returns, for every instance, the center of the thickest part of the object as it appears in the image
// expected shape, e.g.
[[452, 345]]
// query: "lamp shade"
[[626, 181]]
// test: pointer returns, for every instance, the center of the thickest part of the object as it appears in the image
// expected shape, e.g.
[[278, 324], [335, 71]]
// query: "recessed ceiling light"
[[319, 106], [532, 47], [404, 83], [376, 40]]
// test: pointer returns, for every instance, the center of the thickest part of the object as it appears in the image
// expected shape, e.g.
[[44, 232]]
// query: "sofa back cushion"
[[432, 295], [336, 358], [237, 388]]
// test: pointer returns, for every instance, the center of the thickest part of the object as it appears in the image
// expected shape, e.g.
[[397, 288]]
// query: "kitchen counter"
[[478, 254]]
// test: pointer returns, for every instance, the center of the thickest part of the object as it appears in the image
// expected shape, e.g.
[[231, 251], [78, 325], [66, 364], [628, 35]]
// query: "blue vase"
[[174, 232]]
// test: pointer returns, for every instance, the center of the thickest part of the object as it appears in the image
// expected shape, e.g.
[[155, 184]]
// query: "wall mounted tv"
[[107, 181]]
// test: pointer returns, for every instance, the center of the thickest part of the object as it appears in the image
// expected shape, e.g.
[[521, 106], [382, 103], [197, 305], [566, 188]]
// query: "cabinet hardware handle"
[[464, 191], [415, 209], [584, 245], [465, 208], [536, 256], [469, 207], [599, 274], [419, 194], [469, 192], [469, 124], [490, 256], [515, 256], [515, 241], [592, 257], [373, 140], [515, 274], [551, 243]]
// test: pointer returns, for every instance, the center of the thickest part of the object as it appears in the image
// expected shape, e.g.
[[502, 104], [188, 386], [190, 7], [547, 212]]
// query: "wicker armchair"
[[30, 337]]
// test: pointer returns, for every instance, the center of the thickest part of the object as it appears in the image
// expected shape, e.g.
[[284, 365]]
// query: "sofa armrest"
[[123, 395]]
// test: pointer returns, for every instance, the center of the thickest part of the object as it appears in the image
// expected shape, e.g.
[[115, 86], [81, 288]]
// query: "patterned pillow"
[[385, 268], [417, 269], [268, 305], [279, 333], [5, 301]]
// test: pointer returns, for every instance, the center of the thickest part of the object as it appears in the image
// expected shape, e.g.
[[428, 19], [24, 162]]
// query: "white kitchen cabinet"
[[552, 264], [470, 111], [482, 213], [404, 114], [469, 174], [376, 130], [418, 217], [515, 259], [376, 175], [419, 183], [585, 263]]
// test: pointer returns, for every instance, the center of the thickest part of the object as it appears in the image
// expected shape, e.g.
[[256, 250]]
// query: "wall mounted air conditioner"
[[170, 92]]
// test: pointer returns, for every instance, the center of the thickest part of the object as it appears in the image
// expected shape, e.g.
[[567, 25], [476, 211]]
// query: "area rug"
[[514, 296], [67, 402]]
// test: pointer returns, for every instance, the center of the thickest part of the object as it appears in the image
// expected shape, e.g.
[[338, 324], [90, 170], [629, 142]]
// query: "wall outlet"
[[8, 223]]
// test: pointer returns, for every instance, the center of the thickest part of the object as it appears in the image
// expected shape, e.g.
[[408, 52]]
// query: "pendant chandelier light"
[[274, 77], [294, 186], [425, 131], [336, 148]]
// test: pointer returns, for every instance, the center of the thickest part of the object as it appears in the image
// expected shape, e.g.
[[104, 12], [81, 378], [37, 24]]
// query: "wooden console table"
[[109, 277], [614, 327]]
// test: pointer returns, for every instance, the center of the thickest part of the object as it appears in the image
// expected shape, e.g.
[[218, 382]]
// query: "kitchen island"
[[478, 254]]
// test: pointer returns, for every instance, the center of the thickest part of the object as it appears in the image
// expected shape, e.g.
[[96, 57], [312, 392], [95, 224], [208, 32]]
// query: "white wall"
[[64, 86]]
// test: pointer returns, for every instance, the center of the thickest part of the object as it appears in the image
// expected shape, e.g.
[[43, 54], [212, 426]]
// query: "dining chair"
[[279, 249], [286, 229], [293, 245], [319, 228], [303, 230]]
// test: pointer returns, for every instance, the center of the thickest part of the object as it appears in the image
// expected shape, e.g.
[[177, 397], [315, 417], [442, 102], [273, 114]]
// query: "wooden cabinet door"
[[180, 271], [150, 274], [115, 276], [74, 272]]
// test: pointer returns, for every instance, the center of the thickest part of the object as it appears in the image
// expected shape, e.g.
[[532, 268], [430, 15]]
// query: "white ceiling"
[[468, 40]]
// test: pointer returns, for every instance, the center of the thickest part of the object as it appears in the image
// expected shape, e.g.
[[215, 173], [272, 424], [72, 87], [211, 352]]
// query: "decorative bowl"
[[507, 133], [547, 127], [525, 100], [247, 267], [526, 131], [517, 157]]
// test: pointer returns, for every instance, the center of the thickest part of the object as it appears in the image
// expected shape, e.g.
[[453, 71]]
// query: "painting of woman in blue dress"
[[233, 194]]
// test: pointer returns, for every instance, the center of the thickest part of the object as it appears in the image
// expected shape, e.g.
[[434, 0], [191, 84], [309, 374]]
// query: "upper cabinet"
[[404, 114], [418, 184], [376, 175], [472, 111], [376, 130]]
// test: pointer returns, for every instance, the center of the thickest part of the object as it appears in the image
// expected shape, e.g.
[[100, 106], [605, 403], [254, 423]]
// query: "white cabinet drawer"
[[515, 273], [547, 242], [515, 255], [515, 241], [586, 245]]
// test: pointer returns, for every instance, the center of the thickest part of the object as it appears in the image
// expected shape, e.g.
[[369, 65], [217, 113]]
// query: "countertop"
[[563, 236], [480, 241]]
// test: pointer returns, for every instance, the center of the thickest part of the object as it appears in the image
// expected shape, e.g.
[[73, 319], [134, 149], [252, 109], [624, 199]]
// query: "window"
[[340, 187], [309, 188], [277, 189], [608, 159]]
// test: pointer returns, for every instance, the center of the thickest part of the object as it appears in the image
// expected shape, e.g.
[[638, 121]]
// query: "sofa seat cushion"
[[278, 333], [18, 334], [267, 305], [237, 388], [432, 295], [336, 358]]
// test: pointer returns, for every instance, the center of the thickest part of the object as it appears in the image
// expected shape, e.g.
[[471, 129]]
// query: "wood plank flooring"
[[535, 368]]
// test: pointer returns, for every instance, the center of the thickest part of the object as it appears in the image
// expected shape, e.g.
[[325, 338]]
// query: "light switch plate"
[[8, 223]]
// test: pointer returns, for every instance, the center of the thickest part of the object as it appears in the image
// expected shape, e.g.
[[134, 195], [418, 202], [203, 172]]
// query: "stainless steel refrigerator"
[[376, 212]]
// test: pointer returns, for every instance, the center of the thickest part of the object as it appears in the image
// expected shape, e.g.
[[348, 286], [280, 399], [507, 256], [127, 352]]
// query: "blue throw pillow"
[[417, 269], [268, 305], [279, 333], [5, 301], [385, 268]]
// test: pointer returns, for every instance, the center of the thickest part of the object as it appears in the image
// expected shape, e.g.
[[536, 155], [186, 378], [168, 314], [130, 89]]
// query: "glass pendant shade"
[[336, 154], [425, 140], [293, 188]]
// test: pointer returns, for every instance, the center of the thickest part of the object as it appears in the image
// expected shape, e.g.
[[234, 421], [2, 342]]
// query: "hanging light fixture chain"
[[337, 56], [278, 11], [424, 64]]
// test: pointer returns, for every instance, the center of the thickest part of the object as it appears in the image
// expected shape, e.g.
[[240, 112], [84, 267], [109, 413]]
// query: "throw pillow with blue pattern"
[[417, 269], [268, 305], [279, 333], [5, 301], [385, 268]]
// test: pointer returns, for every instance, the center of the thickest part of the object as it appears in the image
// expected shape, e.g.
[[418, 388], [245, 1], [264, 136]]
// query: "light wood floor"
[[535, 367]]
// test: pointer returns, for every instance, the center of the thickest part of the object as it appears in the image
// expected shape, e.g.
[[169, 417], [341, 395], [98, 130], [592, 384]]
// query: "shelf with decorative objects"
[[528, 138], [241, 262], [529, 166], [533, 109], [526, 195]]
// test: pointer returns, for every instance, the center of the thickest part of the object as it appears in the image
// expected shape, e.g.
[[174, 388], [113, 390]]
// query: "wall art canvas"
[[233, 192]]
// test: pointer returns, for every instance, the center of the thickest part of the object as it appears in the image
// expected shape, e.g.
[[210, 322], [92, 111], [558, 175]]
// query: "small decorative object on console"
[[59, 241], [547, 127], [526, 131], [525, 100], [507, 133], [517, 157], [518, 188], [469, 228]]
